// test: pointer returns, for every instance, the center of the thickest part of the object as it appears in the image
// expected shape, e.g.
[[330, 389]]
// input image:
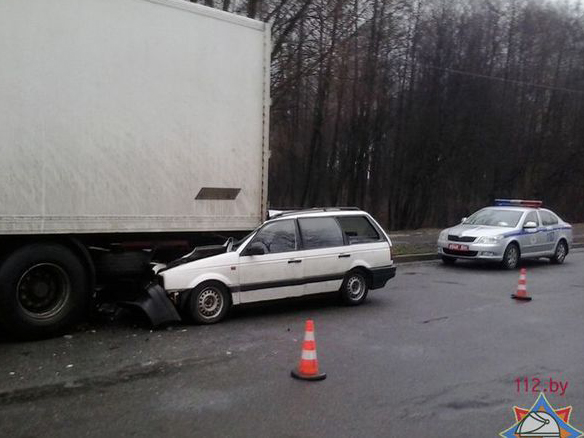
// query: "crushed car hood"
[[200, 252]]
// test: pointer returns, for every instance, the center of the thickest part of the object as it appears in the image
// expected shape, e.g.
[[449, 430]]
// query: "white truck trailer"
[[123, 124]]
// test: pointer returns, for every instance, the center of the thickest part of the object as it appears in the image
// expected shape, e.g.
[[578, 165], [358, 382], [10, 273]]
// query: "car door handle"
[[294, 261], [344, 256]]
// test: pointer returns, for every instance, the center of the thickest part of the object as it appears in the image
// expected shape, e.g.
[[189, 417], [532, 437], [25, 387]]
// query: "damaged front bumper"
[[156, 305]]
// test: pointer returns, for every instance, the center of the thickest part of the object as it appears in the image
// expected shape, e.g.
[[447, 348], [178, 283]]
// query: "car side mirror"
[[530, 224], [463, 220], [254, 249]]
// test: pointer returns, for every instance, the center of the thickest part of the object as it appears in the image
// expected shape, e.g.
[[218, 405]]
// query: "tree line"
[[421, 111]]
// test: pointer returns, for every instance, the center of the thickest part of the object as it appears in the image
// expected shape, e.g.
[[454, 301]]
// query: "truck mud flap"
[[154, 302]]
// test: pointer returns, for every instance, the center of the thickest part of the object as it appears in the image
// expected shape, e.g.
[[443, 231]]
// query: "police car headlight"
[[443, 235], [490, 239]]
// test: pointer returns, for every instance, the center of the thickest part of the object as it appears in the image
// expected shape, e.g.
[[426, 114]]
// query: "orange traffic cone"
[[521, 293], [308, 366]]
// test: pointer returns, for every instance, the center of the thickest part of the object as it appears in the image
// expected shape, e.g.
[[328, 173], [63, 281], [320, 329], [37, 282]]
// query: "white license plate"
[[457, 247]]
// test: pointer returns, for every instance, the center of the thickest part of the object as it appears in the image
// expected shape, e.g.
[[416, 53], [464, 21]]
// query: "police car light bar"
[[518, 203]]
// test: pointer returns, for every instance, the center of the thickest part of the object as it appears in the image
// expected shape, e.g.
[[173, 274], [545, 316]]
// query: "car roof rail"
[[281, 212]]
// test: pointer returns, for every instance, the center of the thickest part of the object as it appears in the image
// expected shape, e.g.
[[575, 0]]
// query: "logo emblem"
[[542, 421]]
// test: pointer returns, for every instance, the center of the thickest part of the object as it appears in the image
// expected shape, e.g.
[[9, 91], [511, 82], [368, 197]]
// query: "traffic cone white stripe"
[[309, 336], [308, 354]]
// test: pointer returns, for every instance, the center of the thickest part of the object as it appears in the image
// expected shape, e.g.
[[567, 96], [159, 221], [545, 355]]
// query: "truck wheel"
[[560, 253], [43, 290], [354, 288], [208, 303], [511, 256]]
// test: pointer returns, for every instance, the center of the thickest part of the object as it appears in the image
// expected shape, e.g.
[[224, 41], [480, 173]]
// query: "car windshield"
[[238, 243], [495, 218]]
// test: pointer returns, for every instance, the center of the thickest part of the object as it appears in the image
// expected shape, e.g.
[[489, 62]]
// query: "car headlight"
[[490, 239], [443, 235]]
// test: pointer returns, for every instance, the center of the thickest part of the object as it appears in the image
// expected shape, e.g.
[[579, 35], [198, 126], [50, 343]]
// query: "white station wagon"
[[293, 254]]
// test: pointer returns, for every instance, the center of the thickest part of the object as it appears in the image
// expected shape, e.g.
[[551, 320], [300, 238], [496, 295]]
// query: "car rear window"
[[358, 229], [320, 232]]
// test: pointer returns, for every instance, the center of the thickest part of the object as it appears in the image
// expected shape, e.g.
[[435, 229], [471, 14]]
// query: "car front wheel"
[[354, 288], [511, 256], [208, 303]]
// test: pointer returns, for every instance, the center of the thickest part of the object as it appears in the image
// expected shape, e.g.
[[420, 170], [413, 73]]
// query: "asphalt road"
[[435, 353]]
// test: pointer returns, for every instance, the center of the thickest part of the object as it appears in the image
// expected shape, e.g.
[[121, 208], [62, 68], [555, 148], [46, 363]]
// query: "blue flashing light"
[[518, 203]]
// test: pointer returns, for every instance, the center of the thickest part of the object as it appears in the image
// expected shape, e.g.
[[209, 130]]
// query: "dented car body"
[[292, 255]]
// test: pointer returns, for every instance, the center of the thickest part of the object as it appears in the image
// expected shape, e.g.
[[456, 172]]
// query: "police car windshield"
[[495, 218]]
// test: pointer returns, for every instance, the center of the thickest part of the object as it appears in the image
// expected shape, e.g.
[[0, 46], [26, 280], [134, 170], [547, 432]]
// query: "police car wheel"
[[511, 256], [208, 303], [560, 253]]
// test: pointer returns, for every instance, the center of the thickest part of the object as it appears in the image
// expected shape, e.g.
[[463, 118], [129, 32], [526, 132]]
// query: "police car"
[[509, 231], [294, 254]]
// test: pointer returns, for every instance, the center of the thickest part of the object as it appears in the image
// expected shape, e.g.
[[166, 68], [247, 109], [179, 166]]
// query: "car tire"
[[43, 290], [560, 253], [448, 260], [354, 288], [511, 256], [208, 303]]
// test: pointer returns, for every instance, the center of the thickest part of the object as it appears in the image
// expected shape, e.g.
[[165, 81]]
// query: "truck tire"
[[43, 290]]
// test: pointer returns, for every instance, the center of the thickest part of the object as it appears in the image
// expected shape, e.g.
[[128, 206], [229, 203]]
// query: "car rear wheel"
[[208, 303], [560, 253], [448, 260], [354, 288], [511, 256]]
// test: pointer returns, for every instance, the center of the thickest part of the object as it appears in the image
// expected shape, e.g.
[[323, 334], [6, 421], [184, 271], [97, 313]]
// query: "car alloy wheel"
[[560, 254], [511, 257]]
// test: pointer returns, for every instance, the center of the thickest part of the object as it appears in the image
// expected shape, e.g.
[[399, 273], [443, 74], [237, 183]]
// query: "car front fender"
[[215, 276]]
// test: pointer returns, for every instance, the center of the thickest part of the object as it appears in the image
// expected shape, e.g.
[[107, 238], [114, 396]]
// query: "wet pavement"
[[435, 353]]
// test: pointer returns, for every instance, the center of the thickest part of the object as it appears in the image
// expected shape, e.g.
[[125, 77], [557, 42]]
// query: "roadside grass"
[[414, 248]]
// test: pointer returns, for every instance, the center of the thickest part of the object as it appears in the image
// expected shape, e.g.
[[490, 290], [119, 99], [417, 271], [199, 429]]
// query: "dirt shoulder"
[[423, 241]]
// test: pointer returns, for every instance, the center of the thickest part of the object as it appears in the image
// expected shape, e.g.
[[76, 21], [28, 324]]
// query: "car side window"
[[531, 217], [277, 237], [358, 229], [548, 218], [320, 232]]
